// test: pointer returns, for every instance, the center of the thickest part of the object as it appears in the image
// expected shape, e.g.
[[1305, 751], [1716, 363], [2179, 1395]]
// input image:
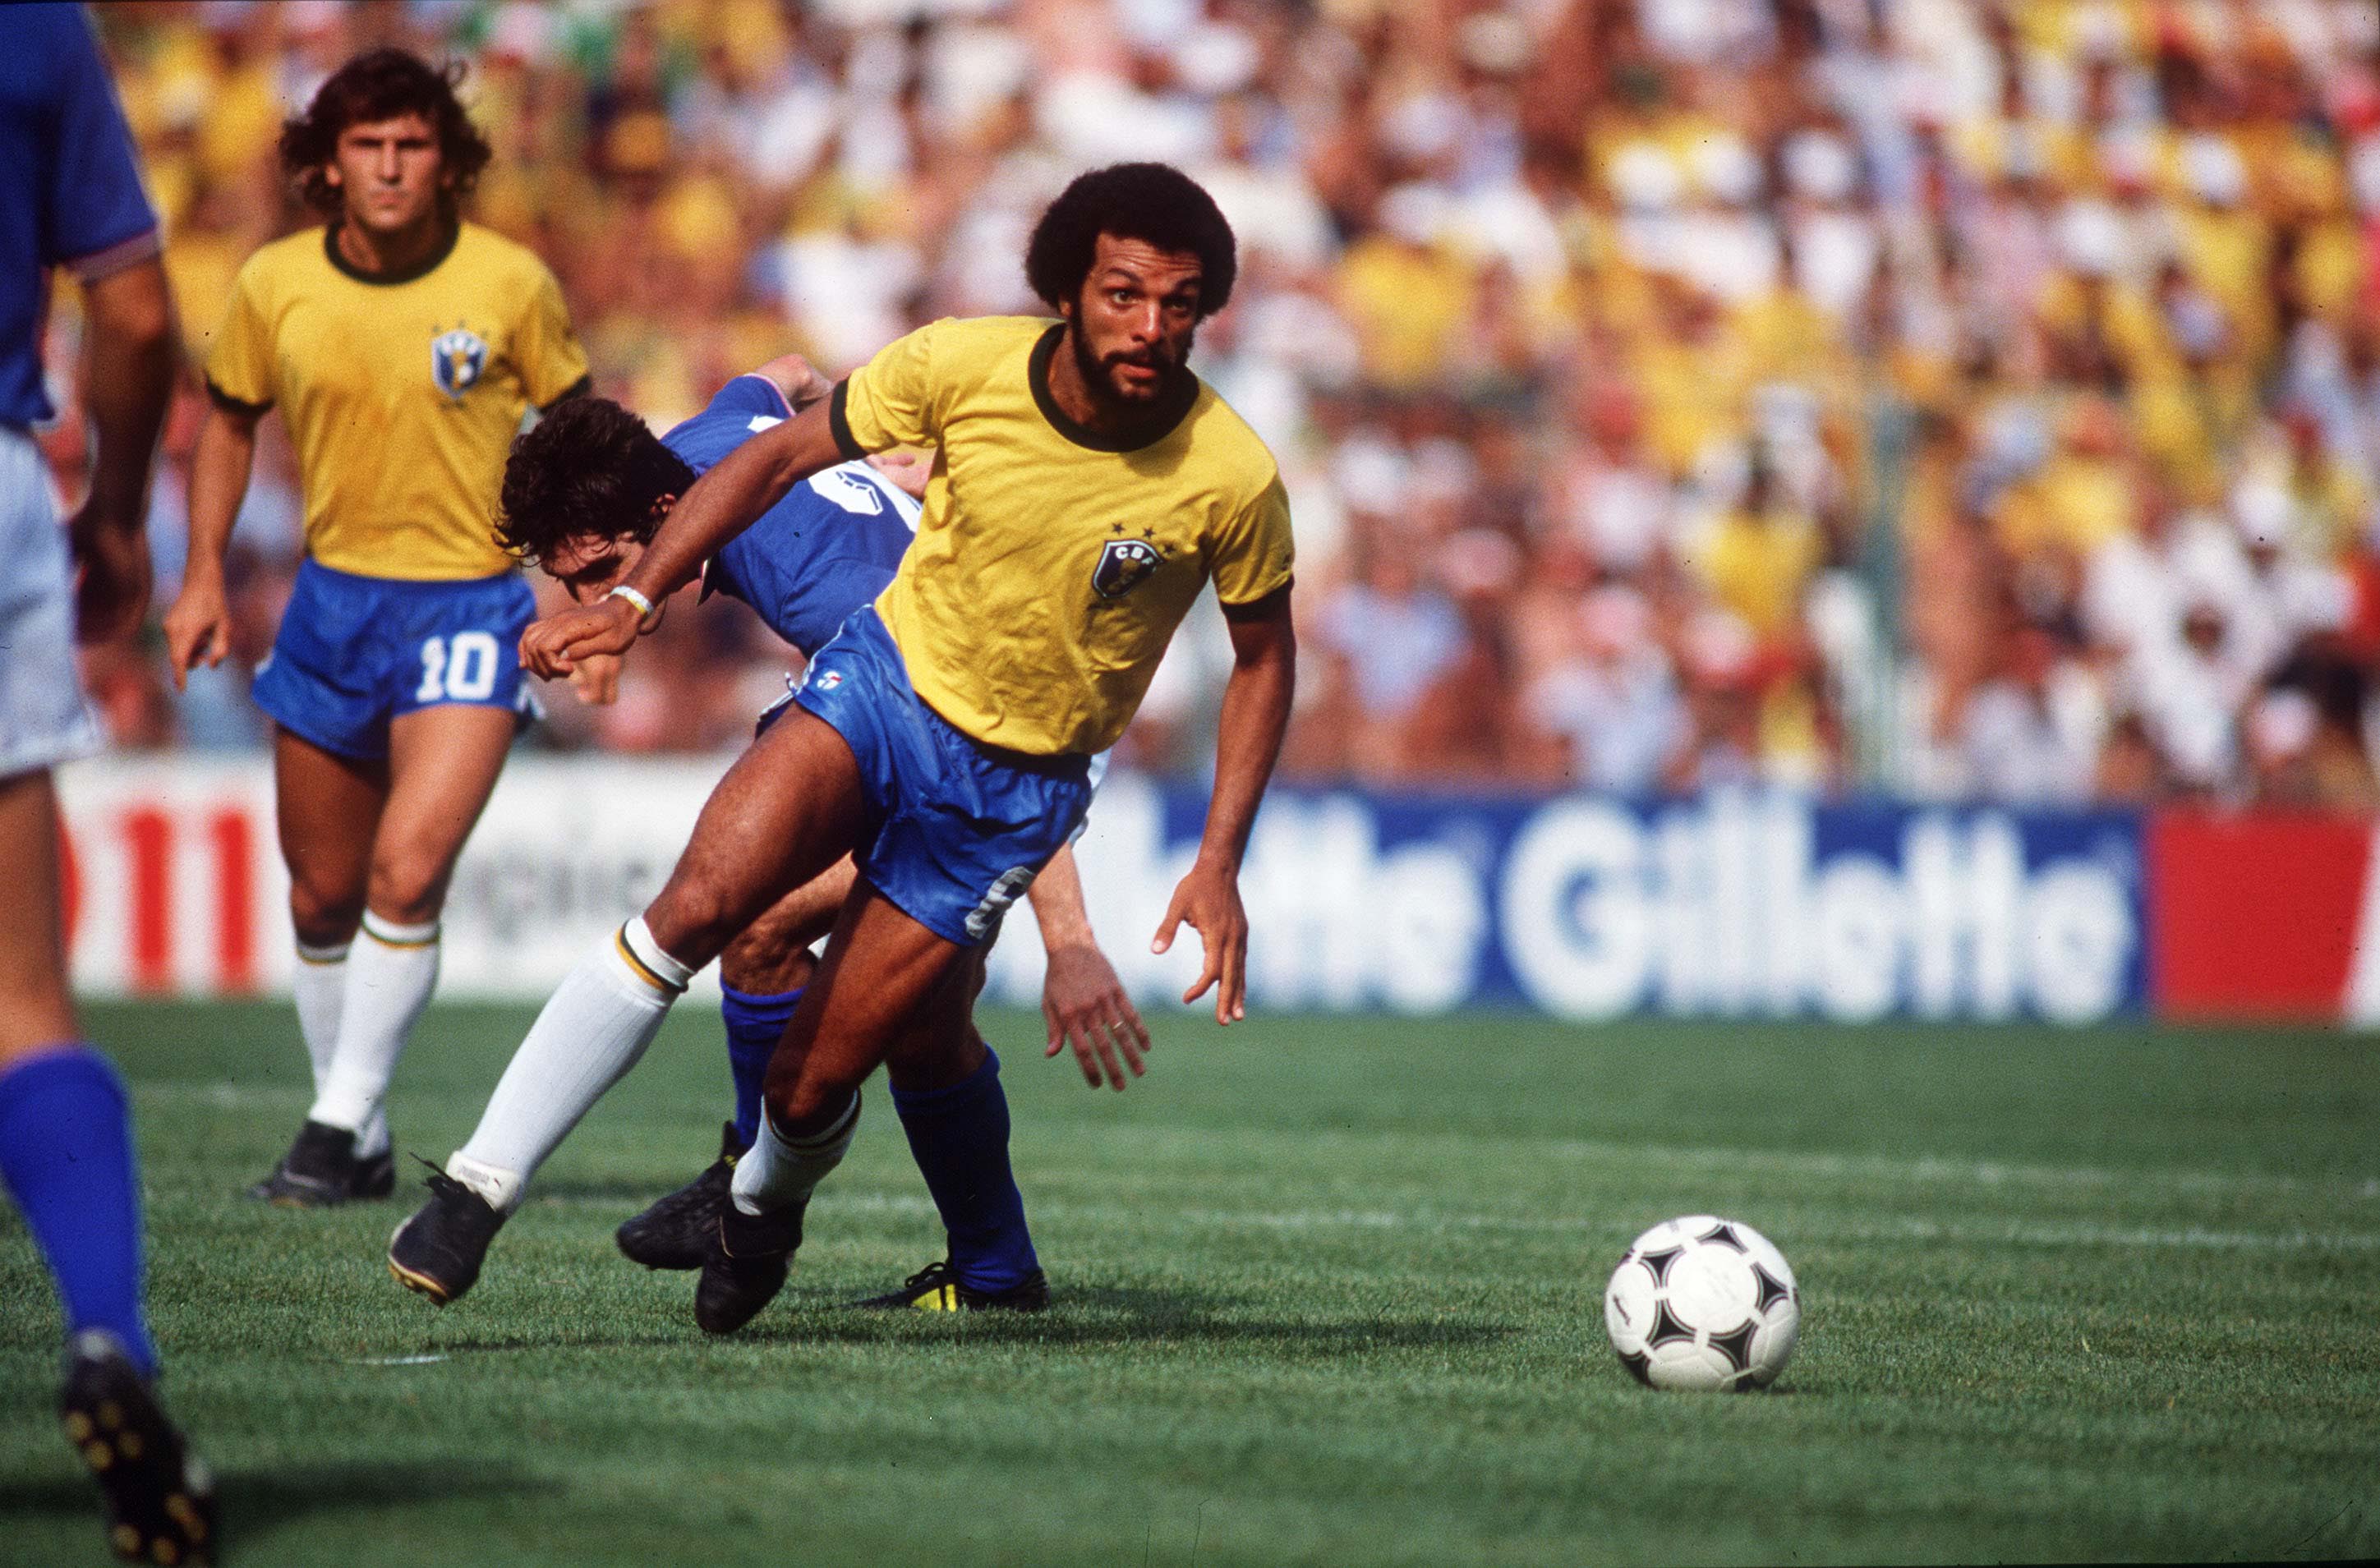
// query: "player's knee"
[[798, 1098], [408, 887], [693, 922], [323, 916], [765, 963], [924, 1064]]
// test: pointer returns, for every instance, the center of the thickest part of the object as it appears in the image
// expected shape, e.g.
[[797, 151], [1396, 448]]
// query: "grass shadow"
[[632, 1193], [1109, 1314], [255, 1504]]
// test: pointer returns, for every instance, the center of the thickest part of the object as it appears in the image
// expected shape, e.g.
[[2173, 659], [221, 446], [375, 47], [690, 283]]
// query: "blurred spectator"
[[1669, 392]]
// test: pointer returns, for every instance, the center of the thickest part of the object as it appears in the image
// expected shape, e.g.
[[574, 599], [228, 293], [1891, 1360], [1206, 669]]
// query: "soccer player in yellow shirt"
[[1086, 487], [403, 346]]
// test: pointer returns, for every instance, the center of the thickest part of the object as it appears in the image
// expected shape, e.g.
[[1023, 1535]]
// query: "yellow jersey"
[[1052, 564], [402, 395]]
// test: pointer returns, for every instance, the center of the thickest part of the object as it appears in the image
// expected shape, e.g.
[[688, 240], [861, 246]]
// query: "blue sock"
[[959, 1138], [754, 1026], [65, 1151]]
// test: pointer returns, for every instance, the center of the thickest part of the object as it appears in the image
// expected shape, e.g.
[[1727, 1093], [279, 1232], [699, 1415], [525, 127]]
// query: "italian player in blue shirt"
[[582, 492], [70, 197]]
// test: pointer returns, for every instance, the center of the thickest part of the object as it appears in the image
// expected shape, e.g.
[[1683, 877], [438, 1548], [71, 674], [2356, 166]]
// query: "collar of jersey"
[[420, 269], [1162, 423]]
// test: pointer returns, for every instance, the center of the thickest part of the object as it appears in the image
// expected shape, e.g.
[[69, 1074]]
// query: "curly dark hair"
[[1156, 203], [589, 467], [377, 85]]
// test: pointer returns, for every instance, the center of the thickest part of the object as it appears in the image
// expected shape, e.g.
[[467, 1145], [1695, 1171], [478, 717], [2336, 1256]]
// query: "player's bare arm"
[[1247, 740], [1083, 1001], [801, 382], [198, 626], [718, 506], [128, 377]]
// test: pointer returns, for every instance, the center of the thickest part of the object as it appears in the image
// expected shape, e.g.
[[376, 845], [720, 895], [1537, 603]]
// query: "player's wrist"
[[634, 599]]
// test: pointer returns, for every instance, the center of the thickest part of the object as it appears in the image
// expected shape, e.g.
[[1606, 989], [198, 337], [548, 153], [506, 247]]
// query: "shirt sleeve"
[[551, 364], [240, 362], [891, 400], [1254, 556], [748, 394], [98, 217]]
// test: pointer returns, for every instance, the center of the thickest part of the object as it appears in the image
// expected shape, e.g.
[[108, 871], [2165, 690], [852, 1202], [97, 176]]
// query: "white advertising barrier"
[[177, 886], [1734, 906]]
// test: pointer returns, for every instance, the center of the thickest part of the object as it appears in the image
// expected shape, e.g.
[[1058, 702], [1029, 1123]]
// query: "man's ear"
[[662, 504]]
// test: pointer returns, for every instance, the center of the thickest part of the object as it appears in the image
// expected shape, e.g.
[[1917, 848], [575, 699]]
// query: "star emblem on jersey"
[[457, 359], [1124, 564]]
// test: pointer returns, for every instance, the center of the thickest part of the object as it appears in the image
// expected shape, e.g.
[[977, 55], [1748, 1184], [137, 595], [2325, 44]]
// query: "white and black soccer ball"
[[1703, 1303]]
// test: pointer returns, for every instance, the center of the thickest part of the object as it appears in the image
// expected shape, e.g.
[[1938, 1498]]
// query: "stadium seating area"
[[1969, 399]]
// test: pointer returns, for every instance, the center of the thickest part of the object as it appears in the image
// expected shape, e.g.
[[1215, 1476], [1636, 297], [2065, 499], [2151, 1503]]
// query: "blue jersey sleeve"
[[744, 408], [92, 198], [749, 396]]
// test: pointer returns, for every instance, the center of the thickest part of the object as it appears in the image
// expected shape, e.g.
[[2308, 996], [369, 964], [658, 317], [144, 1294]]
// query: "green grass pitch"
[[1328, 1293]]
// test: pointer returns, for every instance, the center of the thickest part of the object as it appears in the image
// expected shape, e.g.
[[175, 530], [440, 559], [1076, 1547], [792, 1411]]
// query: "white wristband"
[[644, 605]]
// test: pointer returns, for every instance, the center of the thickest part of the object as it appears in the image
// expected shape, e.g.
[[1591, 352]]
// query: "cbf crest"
[[458, 359], [1124, 564]]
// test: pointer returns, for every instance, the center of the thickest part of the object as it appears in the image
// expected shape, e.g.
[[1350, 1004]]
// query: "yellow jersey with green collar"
[[402, 393], [1052, 563]]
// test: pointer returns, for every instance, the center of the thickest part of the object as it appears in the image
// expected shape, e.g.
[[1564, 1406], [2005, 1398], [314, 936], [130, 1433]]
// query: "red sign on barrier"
[[2254, 918]]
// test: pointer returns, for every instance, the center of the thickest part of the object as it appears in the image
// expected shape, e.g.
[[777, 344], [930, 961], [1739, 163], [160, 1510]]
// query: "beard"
[[1099, 374]]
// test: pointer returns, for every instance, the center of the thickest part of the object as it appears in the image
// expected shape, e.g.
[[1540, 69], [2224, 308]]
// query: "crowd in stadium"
[[1972, 399]]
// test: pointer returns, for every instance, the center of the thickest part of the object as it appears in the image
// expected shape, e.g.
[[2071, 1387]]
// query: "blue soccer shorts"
[[353, 652], [955, 831]]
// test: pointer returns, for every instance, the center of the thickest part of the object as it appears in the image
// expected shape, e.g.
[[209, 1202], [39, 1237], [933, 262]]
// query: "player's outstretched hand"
[[1085, 1006], [597, 679], [553, 647], [910, 471], [1208, 898], [198, 626], [111, 584]]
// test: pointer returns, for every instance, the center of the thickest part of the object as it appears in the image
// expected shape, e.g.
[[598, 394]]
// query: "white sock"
[[593, 1030], [779, 1172], [320, 989], [391, 972]]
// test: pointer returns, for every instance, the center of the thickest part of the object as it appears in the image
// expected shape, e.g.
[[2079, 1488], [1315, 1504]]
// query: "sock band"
[[837, 1126], [780, 1172], [647, 957], [336, 954], [392, 933]]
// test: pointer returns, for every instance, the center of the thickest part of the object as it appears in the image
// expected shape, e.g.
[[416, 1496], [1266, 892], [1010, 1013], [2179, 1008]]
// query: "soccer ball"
[[1703, 1303]]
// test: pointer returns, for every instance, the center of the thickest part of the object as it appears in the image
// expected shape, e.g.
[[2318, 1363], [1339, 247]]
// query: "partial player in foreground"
[[70, 196], [402, 347], [1086, 486], [583, 493]]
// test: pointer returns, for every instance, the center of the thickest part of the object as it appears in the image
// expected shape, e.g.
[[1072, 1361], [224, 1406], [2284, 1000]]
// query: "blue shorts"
[[353, 652], [955, 829]]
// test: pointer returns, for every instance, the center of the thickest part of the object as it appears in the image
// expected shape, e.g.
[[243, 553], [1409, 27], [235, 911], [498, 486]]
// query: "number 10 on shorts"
[[457, 669]]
